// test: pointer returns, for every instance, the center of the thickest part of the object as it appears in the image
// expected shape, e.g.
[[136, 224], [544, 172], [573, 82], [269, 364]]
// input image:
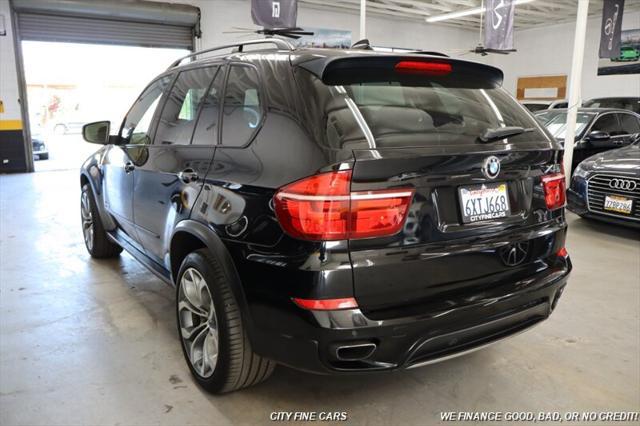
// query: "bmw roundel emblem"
[[491, 167]]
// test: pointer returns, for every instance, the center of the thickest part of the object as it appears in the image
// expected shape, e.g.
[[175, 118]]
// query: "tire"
[[210, 321], [95, 238]]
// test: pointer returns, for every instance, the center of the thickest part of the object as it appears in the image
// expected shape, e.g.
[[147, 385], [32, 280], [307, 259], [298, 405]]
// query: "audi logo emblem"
[[623, 184]]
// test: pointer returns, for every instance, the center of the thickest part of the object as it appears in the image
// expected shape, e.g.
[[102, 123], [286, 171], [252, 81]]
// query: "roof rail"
[[280, 44]]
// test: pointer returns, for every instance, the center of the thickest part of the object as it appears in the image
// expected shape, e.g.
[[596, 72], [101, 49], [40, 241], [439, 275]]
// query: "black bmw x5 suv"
[[336, 211]]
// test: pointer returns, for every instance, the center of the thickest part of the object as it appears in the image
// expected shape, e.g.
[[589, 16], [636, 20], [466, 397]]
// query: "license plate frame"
[[617, 204], [477, 201]]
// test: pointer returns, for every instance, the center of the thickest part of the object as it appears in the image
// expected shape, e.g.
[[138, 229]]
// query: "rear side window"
[[180, 110], [208, 122], [607, 123], [400, 115], [630, 124], [242, 111]]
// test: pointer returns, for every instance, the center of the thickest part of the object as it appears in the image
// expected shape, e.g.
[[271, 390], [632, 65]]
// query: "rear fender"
[[215, 245]]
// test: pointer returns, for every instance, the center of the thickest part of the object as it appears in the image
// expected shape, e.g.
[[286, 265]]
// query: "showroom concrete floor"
[[94, 342]]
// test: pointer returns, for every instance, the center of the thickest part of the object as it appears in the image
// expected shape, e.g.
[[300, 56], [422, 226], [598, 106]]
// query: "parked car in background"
[[336, 211], [40, 150], [68, 127], [627, 54], [606, 186], [628, 102], [597, 129], [535, 106]]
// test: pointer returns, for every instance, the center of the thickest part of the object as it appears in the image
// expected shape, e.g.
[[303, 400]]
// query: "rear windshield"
[[395, 115]]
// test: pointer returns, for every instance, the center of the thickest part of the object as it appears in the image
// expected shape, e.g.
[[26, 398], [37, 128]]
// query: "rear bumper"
[[310, 340]]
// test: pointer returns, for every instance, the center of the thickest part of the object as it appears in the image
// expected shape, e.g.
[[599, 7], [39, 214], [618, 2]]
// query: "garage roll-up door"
[[134, 23]]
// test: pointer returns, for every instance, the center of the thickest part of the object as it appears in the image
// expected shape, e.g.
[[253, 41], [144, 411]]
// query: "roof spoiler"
[[418, 70]]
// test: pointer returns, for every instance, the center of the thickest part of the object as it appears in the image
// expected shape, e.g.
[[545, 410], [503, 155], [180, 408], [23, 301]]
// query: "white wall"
[[548, 51], [8, 75], [219, 16]]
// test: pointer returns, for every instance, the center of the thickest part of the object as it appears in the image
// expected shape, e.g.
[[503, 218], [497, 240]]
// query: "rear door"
[[478, 216], [170, 178], [230, 198]]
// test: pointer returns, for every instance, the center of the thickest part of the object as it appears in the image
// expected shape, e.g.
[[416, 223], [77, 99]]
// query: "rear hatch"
[[475, 159]]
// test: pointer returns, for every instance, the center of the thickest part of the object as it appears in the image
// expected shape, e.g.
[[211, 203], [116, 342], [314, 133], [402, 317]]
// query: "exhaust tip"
[[354, 351]]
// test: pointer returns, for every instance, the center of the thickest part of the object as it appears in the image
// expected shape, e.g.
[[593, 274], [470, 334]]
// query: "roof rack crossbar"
[[280, 44]]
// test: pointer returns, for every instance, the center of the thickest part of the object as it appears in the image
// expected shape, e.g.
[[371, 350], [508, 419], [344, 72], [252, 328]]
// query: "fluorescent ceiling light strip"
[[467, 12]]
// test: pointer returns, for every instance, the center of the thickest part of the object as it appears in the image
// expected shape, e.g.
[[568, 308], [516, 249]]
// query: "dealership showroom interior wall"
[[323, 221]]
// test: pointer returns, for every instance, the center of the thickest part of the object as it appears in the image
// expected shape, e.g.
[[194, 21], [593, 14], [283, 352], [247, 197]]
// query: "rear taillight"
[[423, 67], [554, 190], [323, 208], [562, 252], [326, 304]]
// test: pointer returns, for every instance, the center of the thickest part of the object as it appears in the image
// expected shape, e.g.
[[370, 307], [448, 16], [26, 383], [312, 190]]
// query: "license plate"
[[484, 202], [615, 203]]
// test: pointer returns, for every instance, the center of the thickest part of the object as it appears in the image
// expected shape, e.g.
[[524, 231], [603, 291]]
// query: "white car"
[[534, 106]]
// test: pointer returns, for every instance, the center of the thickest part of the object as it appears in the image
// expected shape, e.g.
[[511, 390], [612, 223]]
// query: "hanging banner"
[[498, 25], [611, 28], [272, 14]]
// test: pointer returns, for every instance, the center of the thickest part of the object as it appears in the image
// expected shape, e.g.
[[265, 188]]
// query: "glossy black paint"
[[436, 288]]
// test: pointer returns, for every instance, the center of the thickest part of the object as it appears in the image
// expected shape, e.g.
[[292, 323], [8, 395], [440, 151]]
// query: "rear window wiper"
[[492, 135]]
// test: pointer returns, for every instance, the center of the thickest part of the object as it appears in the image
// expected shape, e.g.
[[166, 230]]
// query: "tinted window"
[[630, 124], [405, 115], [181, 107], [401, 114], [607, 123], [138, 121], [207, 128], [242, 112]]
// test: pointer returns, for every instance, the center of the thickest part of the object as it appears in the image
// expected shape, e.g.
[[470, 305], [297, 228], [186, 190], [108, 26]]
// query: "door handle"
[[129, 167], [188, 175]]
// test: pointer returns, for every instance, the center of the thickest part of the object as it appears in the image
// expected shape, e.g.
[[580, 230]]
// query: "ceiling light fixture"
[[467, 12]]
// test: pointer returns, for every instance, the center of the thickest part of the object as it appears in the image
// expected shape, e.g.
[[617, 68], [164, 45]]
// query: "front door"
[[120, 160], [168, 182]]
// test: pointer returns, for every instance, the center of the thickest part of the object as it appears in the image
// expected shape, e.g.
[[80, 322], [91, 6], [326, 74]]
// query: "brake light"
[[554, 190], [422, 67], [562, 252], [326, 304], [323, 208]]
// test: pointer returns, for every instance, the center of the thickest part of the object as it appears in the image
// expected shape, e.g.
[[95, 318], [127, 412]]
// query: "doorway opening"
[[71, 84]]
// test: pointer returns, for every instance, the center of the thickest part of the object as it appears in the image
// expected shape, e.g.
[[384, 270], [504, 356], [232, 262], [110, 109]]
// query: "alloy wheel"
[[87, 219], [198, 323]]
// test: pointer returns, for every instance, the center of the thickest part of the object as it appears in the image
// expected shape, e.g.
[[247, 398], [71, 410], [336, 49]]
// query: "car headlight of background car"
[[580, 172]]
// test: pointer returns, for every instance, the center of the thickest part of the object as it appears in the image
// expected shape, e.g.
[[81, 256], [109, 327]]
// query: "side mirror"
[[97, 132], [598, 136]]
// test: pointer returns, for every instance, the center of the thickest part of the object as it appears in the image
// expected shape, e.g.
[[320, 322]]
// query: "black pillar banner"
[[611, 28], [272, 14], [498, 25]]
